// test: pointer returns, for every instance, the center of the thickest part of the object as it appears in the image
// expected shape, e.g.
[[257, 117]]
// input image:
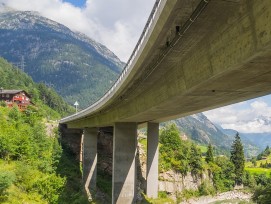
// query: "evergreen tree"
[[209, 154], [238, 158], [195, 160]]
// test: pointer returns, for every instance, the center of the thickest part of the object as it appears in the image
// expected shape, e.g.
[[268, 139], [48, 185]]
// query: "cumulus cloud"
[[116, 23], [252, 116]]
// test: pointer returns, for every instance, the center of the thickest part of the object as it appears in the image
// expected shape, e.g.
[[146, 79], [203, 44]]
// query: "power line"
[[20, 64]]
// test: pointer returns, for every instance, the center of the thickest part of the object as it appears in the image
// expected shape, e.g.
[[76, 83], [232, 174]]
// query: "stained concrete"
[[90, 159], [152, 159], [124, 167]]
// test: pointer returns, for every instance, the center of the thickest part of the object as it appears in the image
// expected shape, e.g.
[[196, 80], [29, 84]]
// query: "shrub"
[[3, 104], [6, 179], [162, 194], [262, 195], [206, 188]]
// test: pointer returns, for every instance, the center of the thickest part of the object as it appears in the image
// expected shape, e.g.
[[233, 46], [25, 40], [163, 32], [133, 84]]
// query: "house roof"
[[4, 91]]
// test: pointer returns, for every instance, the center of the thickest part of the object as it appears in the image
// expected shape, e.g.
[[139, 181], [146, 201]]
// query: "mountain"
[[200, 129], [42, 96], [79, 68], [259, 139]]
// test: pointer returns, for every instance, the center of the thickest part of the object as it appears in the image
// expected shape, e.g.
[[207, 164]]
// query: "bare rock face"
[[170, 181], [173, 182]]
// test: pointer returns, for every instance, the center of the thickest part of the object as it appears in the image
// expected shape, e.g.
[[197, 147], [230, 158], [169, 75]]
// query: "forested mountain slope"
[[76, 66], [42, 96]]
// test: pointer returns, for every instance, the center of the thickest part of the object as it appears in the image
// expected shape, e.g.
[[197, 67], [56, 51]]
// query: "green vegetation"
[[185, 157], [178, 155], [262, 194], [162, 198], [33, 165], [258, 170], [209, 154], [260, 164], [264, 154], [50, 104], [203, 148], [223, 174], [238, 158]]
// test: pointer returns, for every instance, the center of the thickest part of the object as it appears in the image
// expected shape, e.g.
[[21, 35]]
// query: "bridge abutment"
[[124, 166], [90, 159], [152, 159]]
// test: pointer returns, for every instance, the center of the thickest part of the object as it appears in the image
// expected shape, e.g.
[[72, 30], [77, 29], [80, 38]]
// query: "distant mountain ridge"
[[200, 129], [260, 139], [79, 68]]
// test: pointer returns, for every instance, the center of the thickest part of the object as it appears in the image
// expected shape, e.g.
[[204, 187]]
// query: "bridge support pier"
[[152, 160], [90, 159], [124, 166]]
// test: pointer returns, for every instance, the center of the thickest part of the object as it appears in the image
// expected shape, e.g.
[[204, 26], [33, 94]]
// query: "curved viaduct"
[[193, 55]]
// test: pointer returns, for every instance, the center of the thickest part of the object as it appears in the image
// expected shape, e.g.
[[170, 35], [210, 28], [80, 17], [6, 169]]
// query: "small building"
[[19, 97]]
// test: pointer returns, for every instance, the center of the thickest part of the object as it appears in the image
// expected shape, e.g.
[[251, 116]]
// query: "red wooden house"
[[19, 97]]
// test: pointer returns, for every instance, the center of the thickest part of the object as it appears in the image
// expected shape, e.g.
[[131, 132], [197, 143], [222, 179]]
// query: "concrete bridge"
[[193, 55]]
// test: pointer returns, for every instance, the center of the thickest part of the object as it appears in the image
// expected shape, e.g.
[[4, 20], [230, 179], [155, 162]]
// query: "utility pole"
[[76, 104], [22, 63]]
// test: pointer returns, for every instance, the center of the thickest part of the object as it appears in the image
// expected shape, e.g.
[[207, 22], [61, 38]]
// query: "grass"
[[258, 171], [162, 198], [143, 142], [263, 161]]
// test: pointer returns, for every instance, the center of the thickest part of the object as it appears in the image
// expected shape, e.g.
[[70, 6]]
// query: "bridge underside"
[[223, 58], [186, 65]]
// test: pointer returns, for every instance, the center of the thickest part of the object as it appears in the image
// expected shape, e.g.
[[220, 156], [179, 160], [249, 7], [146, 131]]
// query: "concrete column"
[[124, 166], [90, 159], [152, 160]]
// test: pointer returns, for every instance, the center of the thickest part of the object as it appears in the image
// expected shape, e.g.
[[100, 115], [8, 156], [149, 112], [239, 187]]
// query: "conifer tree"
[[209, 154], [238, 158], [195, 160]]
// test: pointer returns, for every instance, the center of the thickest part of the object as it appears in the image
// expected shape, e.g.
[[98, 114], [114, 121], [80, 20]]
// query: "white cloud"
[[248, 117], [116, 23]]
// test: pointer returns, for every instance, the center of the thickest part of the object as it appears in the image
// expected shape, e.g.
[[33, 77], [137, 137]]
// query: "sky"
[[118, 24], [77, 3], [245, 117]]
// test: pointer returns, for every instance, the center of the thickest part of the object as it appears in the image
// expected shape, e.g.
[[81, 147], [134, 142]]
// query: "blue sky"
[[77, 3]]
